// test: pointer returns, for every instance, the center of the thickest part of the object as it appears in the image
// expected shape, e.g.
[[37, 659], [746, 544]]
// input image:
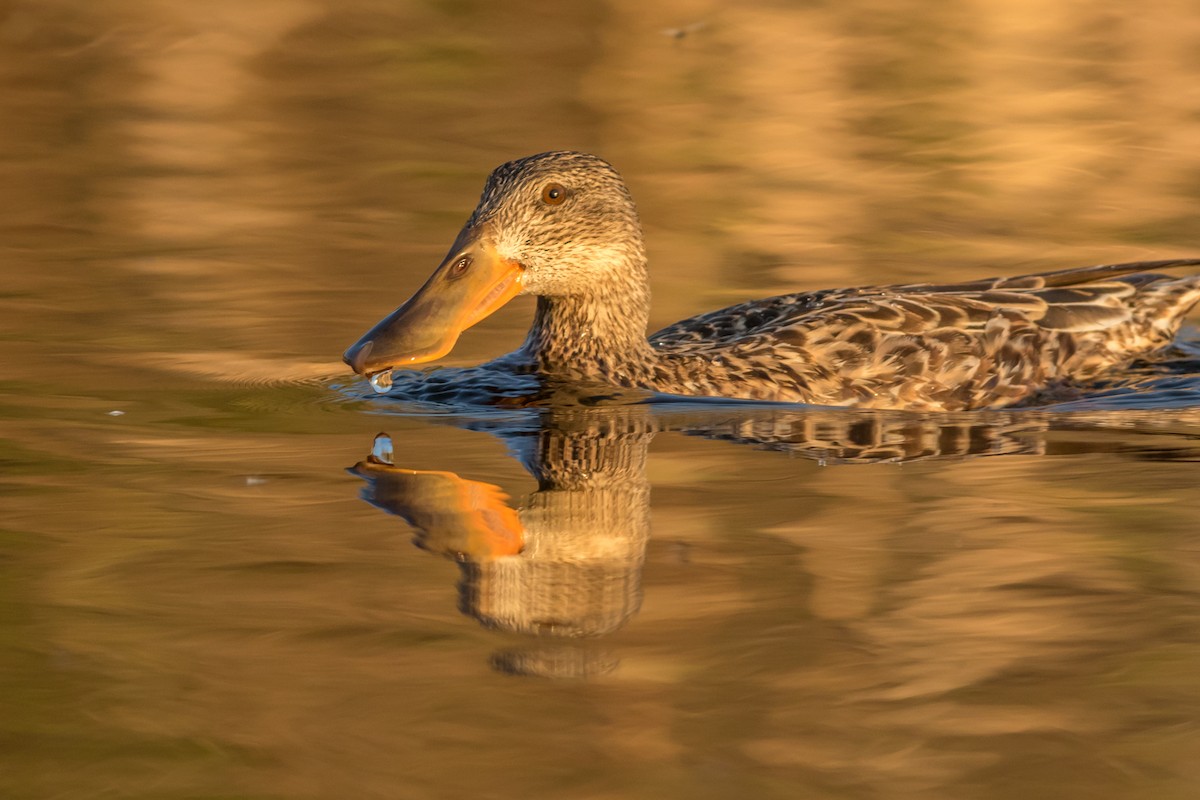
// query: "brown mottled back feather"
[[980, 344]]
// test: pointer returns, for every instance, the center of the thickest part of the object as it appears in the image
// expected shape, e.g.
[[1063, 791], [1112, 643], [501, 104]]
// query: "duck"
[[562, 226]]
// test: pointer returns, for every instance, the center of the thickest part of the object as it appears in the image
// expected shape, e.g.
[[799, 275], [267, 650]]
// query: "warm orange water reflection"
[[567, 562], [202, 205]]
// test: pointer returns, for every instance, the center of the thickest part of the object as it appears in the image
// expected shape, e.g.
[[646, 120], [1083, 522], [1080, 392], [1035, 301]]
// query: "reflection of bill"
[[467, 520], [567, 563]]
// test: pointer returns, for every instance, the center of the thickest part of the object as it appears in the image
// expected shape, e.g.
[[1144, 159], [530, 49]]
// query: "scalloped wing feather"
[[984, 343]]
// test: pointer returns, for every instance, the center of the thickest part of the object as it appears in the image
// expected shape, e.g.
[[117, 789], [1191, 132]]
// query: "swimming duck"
[[562, 226]]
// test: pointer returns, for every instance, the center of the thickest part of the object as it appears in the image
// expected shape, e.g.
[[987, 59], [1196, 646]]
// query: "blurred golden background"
[[243, 164]]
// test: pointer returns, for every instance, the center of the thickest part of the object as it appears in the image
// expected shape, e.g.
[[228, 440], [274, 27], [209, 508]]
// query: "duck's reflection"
[[565, 565]]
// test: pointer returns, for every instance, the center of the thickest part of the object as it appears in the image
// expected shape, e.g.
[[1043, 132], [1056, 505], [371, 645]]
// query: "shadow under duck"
[[562, 226]]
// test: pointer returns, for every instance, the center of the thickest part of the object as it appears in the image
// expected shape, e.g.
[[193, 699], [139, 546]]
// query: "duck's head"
[[558, 224]]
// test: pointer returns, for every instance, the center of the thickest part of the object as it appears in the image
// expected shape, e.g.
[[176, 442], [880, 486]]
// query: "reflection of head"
[[568, 564], [585, 534]]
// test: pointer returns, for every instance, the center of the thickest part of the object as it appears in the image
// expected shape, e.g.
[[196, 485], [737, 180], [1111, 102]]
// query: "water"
[[208, 579]]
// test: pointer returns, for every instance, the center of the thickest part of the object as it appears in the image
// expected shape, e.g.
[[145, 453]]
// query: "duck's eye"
[[553, 194], [459, 267]]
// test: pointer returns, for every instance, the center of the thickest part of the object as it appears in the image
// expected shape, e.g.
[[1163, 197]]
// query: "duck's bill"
[[469, 285]]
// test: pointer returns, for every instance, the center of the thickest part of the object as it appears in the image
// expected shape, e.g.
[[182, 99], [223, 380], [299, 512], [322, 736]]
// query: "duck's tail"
[[1163, 301]]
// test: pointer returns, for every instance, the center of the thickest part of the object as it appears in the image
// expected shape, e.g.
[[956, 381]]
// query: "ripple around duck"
[[1169, 381], [243, 369], [852, 436]]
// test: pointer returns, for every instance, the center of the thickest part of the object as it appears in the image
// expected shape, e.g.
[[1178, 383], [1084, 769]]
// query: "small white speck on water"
[[116, 412], [255, 480], [821, 462], [381, 381], [684, 30]]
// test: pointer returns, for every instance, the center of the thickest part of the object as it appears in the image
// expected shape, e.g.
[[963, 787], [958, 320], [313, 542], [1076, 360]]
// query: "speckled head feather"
[[588, 240]]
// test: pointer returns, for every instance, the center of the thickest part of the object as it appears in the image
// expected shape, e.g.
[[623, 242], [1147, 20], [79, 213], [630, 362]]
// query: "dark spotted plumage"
[[981, 344]]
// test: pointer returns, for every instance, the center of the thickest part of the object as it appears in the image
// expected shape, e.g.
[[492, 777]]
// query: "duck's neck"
[[600, 335]]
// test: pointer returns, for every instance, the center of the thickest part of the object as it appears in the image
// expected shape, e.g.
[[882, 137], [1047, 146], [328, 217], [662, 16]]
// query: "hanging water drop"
[[381, 449], [381, 381]]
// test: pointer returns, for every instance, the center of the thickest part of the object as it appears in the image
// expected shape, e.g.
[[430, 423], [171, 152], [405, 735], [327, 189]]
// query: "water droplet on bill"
[[381, 449], [381, 381]]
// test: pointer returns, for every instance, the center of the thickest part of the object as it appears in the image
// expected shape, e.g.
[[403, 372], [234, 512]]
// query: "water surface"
[[209, 585]]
